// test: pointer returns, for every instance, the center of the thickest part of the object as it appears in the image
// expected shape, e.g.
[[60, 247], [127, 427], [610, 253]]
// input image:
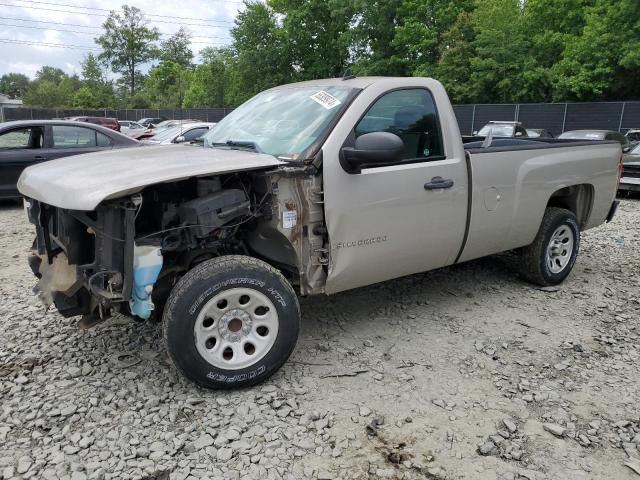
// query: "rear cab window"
[[411, 114]]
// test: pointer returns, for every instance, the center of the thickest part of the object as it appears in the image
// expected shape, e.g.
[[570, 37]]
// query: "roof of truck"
[[355, 82]]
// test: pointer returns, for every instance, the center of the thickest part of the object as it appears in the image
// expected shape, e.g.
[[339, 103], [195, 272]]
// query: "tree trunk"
[[132, 72]]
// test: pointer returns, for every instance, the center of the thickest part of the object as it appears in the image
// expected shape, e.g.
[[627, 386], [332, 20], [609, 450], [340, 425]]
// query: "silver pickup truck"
[[311, 188]]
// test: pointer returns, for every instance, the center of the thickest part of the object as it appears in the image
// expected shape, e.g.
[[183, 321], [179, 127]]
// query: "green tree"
[[264, 58], [127, 43], [177, 48], [91, 71], [454, 66], [166, 84], [502, 51], [422, 30], [210, 81], [373, 50], [317, 34], [50, 74], [44, 93], [14, 85], [86, 97], [603, 60]]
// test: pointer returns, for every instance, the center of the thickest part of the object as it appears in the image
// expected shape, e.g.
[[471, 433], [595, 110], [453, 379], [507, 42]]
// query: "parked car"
[[145, 122], [111, 123], [27, 142], [633, 135], [180, 134], [598, 135], [630, 181], [310, 188], [502, 130], [171, 123], [152, 130], [128, 125], [539, 133]]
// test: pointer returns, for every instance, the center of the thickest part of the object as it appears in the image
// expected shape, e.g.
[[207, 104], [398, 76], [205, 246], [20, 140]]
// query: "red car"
[[111, 123]]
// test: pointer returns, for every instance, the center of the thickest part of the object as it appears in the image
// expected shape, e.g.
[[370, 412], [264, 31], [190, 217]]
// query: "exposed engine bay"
[[128, 254]]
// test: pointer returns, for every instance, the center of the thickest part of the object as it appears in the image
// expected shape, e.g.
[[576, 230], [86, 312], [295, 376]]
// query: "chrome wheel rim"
[[560, 249], [236, 328]]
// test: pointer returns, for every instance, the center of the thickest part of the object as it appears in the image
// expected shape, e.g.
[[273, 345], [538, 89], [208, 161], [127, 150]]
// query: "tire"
[[218, 341], [552, 255]]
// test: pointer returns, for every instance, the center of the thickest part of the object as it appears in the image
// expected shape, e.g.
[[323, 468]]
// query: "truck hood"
[[81, 182]]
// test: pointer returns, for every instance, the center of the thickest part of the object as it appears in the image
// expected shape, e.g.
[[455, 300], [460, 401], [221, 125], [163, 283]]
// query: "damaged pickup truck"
[[310, 188]]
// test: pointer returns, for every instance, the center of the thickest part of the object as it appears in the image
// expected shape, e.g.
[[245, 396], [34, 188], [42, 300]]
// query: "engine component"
[[213, 210]]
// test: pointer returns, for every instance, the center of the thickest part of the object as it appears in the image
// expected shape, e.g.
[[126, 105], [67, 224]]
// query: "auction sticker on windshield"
[[325, 99]]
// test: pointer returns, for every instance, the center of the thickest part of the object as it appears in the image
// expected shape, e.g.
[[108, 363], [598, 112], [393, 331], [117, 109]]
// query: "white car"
[[126, 125], [180, 133]]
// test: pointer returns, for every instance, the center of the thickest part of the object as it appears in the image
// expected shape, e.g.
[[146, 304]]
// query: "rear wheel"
[[231, 322], [552, 255]]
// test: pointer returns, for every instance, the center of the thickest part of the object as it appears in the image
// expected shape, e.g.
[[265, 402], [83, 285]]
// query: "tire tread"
[[530, 264], [203, 271]]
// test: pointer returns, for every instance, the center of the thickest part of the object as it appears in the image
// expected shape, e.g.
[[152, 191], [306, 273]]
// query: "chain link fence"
[[555, 117]]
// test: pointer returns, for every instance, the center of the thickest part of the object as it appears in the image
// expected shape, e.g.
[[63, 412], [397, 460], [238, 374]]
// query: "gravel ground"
[[463, 373]]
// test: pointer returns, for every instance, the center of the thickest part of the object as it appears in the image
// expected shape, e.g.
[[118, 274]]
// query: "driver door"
[[389, 221]]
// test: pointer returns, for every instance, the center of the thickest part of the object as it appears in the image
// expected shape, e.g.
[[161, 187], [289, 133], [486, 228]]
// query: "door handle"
[[39, 158], [438, 183]]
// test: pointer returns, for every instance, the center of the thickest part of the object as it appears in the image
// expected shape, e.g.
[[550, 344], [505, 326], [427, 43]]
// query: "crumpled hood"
[[81, 182]]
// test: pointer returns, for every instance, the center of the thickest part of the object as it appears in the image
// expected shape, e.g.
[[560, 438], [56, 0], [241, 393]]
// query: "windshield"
[[283, 122], [583, 135], [497, 131], [636, 150]]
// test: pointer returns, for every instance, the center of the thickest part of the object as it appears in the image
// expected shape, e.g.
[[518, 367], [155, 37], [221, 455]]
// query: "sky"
[[28, 29]]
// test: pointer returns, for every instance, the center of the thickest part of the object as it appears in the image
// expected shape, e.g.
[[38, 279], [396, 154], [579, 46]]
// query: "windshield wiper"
[[239, 144]]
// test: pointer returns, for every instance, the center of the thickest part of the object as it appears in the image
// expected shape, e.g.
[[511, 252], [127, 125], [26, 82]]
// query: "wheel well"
[[576, 198]]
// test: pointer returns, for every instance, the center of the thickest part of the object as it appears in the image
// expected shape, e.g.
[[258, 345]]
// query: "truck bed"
[[512, 180]]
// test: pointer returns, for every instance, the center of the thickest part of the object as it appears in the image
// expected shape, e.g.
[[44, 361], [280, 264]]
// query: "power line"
[[89, 33], [107, 10], [47, 44], [86, 26], [104, 16]]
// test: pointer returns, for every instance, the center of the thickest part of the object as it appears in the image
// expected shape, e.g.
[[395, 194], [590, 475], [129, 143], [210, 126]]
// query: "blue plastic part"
[[143, 280]]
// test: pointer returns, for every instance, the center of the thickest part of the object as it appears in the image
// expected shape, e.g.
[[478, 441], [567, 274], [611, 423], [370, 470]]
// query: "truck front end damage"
[[127, 254], [83, 260]]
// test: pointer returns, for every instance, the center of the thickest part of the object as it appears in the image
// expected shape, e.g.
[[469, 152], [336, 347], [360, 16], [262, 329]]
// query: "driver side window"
[[411, 114]]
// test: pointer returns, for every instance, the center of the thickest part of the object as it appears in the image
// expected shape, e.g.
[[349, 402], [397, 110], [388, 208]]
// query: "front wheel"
[[552, 255], [231, 322]]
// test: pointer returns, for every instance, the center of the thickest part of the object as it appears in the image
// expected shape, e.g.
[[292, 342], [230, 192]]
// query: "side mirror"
[[180, 139], [518, 134], [376, 148], [475, 132], [626, 149]]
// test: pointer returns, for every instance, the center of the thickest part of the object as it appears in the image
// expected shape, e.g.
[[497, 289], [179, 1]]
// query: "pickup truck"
[[310, 188]]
